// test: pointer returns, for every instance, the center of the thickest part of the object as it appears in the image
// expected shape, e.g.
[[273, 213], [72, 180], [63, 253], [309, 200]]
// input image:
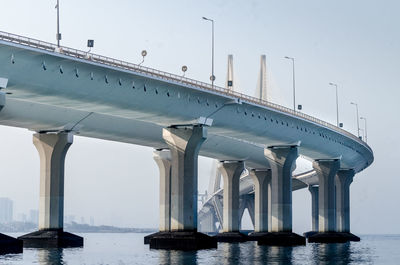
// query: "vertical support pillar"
[[344, 178], [163, 160], [334, 218], [231, 172], [52, 149], [326, 170], [314, 207], [282, 160], [262, 199], [184, 143]]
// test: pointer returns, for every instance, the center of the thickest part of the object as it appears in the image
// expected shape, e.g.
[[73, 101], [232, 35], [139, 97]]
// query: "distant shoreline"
[[18, 227]]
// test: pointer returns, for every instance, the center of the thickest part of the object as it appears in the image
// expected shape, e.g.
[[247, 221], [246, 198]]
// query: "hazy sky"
[[352, 43]]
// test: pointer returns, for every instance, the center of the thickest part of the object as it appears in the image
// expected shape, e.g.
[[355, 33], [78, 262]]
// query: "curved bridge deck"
[[52, 89]]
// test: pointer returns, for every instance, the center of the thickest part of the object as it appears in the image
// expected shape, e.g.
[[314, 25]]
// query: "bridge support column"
[[231, 172], [282, 161], [52, 149], [184, 143], [344, 178], [163, 161], [262, 202], [326, 170], [314, 210]]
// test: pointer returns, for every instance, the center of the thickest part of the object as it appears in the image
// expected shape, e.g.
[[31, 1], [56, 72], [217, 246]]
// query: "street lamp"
[[365, 128], [184, 69], [58, 37], [294, 83], [358, 123], [337, 103], [212, 77], [143, 53]]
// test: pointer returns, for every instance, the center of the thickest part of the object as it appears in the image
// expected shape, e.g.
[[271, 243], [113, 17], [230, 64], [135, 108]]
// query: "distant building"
[[34, 216], [91, 220], [21, 217], [6, 210]]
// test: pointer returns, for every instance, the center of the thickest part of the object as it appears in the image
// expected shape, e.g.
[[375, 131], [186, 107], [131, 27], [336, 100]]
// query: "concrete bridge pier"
[[231, 172], [52, 149], [163, 161], [314, 210], [262, 202], [326, 170], [282, 160], [184, 143], [343, 180]]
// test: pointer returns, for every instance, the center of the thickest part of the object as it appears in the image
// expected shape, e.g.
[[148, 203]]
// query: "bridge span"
[[58, 92]]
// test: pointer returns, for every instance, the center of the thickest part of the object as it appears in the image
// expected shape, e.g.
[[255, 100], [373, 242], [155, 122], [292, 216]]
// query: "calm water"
[[129, 249]]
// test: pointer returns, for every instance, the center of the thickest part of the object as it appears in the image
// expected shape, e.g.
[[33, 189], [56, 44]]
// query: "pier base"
[[10, 245], [51, 239], [309, 233], [231, 237], [332, 237], [255, 236], [282, 239], [182, 241], [148, 237]]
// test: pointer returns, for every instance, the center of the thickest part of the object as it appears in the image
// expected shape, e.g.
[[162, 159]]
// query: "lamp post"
[[212, 77], [365, 128], [58, 24], [337, 103], [294, 83], [358, 123]]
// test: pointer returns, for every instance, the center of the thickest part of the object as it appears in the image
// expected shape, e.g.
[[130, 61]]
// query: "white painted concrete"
[[231, 172], [262, 199], [184, 143], [343, 179], [163, 160], [314, 207], [52, 149], [326, 169], [282, 160]]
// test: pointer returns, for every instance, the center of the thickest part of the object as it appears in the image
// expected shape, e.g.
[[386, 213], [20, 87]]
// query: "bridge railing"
[[166, 76]]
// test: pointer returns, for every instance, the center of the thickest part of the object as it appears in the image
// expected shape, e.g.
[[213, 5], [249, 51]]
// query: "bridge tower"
[[230, 84], [262, 89]]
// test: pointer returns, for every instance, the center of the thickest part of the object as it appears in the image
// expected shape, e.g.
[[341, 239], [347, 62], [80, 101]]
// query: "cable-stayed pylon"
[[230, 84], [262, 89]]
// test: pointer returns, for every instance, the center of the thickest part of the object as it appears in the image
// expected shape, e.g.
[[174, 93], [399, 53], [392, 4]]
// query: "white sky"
[[352, 43]]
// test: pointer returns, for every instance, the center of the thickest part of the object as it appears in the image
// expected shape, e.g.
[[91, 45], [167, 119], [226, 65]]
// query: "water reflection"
[[231, 253], [275, 255], [327, 254], [167, 257], [50, 256]]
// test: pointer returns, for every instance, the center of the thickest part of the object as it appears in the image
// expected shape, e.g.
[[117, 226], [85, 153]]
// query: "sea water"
[[120, 249]]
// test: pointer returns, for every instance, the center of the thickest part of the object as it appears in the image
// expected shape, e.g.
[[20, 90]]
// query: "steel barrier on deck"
[[166, 76]]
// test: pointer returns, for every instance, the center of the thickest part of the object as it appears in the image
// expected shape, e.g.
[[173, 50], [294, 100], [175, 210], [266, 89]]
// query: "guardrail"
[[166, 76]]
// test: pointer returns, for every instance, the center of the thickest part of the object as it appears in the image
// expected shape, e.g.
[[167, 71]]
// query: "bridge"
[[59, 92]]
